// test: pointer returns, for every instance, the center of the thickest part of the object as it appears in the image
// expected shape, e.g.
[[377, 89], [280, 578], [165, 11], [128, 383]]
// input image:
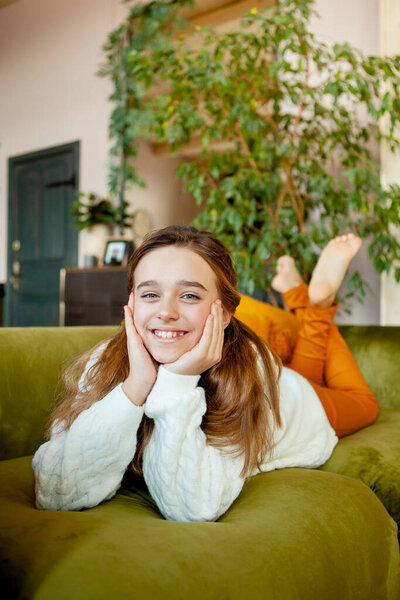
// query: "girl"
[[194, 399]]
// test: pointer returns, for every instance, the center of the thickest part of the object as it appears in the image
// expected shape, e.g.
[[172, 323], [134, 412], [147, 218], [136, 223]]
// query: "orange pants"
[[323, 358]]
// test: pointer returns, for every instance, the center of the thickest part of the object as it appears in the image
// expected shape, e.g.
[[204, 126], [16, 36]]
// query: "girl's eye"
[[188, 296]]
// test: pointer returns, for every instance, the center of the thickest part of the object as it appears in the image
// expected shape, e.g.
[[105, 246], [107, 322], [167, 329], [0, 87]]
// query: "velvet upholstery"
[[293, 534], [30, 360], [373, 456]]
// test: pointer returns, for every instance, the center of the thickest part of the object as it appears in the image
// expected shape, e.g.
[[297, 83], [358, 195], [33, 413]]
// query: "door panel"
[[53, 209], [42, 189], [27, 214]]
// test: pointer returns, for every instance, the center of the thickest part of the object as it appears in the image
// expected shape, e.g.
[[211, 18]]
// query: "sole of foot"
[[331, 268], [287, 275]]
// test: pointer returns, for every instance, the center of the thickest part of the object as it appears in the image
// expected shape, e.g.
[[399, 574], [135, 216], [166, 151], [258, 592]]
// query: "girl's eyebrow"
[[181, 282]]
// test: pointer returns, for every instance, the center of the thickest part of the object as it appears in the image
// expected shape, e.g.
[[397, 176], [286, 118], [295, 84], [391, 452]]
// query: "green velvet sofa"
[[293, 534]]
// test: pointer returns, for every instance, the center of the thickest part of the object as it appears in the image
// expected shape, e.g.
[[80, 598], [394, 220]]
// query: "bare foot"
[[331, 268], [287, 276]]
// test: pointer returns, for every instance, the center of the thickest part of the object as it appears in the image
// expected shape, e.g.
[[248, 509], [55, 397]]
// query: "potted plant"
[[97, 216], [297, 118]]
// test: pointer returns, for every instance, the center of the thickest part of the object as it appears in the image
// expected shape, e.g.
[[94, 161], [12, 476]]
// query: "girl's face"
[[174, 289]]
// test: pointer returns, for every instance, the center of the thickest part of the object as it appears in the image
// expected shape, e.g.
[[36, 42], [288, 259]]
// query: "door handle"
[[16, 271], [16, 268]]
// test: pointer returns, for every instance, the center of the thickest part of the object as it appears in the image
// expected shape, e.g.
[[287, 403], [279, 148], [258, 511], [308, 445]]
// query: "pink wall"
[[50, 51], [357, 22]]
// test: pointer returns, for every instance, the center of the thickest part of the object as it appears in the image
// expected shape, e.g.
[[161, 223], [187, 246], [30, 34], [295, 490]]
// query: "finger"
[[129, 324], [214, 332], [206, 336], [221, 333], [215, 347], [131, 301], [131, 307], [214, 321]]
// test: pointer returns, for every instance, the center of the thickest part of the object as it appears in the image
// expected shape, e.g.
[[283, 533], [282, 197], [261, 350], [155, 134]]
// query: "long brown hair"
[[242, 399]]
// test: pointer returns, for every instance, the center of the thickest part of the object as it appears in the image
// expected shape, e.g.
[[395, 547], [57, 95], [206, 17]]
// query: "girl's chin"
[[166, 355]]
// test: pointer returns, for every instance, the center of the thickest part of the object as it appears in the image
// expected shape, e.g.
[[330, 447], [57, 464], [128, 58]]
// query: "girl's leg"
[[310, 353], [321, 355]]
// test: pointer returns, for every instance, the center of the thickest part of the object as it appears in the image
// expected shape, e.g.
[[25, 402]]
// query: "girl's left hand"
[[208, 350]]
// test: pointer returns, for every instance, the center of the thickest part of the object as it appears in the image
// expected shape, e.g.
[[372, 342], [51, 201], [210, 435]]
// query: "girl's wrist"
[[181, 371], [132, 395]]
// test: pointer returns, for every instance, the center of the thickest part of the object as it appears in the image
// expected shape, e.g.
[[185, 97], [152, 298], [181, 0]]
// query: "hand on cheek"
[[142, 367], [208, 351]]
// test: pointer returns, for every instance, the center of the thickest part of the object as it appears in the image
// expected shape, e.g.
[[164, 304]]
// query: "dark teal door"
[[41, 238]]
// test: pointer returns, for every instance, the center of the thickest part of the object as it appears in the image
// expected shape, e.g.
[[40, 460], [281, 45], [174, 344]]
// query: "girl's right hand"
[[142, 366]]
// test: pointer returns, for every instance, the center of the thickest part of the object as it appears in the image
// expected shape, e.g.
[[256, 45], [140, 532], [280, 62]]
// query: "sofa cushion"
[[293, 533], [372, 455]]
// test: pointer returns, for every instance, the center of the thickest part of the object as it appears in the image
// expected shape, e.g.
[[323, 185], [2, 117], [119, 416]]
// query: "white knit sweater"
[[189, 479]]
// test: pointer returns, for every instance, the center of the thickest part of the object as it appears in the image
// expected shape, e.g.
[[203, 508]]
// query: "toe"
[[285, 261]]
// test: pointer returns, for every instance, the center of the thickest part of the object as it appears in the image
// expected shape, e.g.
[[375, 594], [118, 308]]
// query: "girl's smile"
[[174, 289], [168, 335]]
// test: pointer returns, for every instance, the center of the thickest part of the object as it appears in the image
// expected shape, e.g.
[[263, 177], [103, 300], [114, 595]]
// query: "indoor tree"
[[286, 127]]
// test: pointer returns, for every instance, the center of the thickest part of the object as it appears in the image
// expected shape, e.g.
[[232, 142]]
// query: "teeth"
[[168, 334]]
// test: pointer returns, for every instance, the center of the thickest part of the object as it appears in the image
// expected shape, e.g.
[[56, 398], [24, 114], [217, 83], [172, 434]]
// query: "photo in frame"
[[117, 252]]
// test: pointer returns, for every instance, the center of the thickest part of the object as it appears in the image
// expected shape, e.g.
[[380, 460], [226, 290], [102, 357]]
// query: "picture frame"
[[117, 252]]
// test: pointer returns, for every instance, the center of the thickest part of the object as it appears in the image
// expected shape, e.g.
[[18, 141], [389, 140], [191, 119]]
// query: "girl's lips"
[[180, 335]]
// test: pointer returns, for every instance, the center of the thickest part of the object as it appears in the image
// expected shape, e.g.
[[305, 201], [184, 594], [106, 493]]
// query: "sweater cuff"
[[118, 406], [173, 384], [169, 386]]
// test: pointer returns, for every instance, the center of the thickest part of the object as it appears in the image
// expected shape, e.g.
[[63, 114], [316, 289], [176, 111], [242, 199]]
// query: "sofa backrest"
[[31, 358], [30, 365], [377, 352]]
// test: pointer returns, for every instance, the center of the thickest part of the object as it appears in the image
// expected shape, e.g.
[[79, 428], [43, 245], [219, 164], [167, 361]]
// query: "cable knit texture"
[[189, 479]]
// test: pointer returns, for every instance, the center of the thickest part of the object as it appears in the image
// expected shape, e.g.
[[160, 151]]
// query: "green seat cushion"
[[373, 456], [293, 534]]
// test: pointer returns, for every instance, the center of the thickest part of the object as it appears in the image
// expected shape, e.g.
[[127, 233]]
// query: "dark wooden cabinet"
[[93, 296]]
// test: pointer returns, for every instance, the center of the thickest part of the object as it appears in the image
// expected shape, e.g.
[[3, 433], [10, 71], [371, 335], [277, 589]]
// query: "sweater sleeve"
[[189, 479], [83, 466]]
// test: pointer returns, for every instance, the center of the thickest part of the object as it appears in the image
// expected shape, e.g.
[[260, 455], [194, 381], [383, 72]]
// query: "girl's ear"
[[226, 317]]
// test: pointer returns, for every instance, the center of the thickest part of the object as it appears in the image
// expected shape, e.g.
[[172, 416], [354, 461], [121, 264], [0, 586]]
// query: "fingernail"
[[218, 302]]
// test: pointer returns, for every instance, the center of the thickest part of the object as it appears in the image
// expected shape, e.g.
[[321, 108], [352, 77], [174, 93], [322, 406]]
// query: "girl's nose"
[[168, 310]]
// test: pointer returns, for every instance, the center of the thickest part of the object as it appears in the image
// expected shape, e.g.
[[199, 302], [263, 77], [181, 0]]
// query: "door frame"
[[13, 161]]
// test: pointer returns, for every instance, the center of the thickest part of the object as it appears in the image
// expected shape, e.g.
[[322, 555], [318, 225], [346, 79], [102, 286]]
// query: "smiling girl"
[[192, 398]]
